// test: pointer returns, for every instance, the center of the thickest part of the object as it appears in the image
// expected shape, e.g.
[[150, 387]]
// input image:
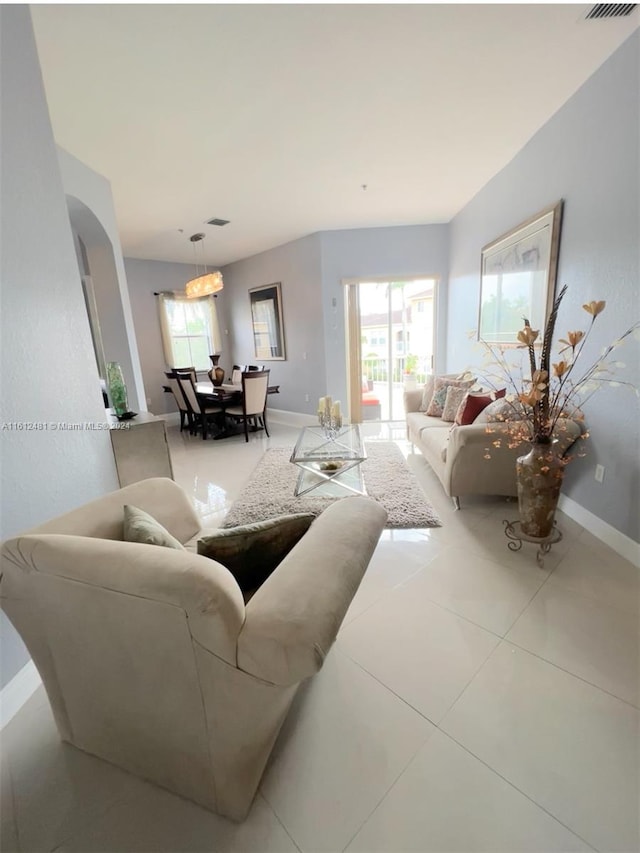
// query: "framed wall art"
[[518, 277], [266, 320]]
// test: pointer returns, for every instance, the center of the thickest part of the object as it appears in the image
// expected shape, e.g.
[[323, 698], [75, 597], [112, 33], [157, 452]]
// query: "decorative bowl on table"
[[126, 416], [330, 465]]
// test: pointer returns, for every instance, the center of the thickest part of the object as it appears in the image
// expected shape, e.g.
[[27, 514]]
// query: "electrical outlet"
[[306, 398], [599, 475]]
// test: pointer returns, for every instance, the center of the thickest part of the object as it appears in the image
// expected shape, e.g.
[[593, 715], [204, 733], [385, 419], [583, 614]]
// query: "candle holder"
[[330, 424]]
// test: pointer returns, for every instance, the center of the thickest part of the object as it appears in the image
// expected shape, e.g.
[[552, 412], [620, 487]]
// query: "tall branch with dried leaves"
[[553, 392]]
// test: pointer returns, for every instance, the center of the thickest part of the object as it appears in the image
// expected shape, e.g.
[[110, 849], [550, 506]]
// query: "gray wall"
[[312, 271], [144, 278], [49, 371], [357, 253], [93, 217], [587, 154], [297, 266]]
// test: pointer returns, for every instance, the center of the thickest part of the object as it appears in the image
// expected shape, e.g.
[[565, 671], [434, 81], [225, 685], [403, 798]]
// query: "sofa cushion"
[[252, 551], [473, 404], [440, 387], [434, 443], [417, 421], [452, 402], [139, 526]]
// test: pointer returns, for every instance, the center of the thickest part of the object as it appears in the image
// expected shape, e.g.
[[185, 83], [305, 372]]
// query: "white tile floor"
[[473, 702]]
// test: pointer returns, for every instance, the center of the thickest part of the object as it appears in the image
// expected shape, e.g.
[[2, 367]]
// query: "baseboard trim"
[[14, 694], [619, 542], [172, 418], [296, 419], [278, 416]]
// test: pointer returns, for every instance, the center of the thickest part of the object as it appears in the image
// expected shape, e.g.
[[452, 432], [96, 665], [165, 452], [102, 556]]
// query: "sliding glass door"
[[391, 343]]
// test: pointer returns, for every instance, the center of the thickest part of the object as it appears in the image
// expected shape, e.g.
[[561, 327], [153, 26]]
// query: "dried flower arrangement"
[[552, 391]]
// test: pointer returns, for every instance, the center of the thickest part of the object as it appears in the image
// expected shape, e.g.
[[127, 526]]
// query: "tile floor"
[[473, 702]]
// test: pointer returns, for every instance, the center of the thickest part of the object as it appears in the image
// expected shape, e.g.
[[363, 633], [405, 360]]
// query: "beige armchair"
[[149, 655]]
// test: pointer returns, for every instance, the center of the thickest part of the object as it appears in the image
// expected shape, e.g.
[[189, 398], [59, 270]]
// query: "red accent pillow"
[[473, 404]]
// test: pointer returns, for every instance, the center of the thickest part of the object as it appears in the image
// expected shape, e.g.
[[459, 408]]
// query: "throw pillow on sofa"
[[141, 527], [473, 404], [440, 393], [252, 551], [452, 402], [427, 393]]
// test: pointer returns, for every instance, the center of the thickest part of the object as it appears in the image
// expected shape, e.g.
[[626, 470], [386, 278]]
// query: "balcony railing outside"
[[376, 372]]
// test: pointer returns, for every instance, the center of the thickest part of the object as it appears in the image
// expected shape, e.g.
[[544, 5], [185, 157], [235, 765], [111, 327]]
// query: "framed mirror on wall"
[[518, 277], [266, 320]]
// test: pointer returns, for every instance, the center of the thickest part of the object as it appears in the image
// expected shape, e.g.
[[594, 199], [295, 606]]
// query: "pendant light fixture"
[[204, 283]]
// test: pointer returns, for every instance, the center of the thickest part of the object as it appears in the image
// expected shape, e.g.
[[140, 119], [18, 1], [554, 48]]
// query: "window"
[[378, 340], [190, 331]]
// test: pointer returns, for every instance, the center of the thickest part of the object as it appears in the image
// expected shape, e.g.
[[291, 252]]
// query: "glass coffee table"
[[329, 466]]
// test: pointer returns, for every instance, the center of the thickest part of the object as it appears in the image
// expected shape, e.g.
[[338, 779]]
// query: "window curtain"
[[166, 302], [214, 326]]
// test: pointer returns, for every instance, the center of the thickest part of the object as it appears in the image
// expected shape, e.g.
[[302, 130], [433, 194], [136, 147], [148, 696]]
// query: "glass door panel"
[[396, 342]]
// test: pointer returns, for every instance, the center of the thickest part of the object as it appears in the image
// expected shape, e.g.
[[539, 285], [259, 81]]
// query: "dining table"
[[223, 395]]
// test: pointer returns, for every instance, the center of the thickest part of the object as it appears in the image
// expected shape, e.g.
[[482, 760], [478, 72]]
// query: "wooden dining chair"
[[183, 406], [254, 401], [236, 373], [191, 370], [200, 415]]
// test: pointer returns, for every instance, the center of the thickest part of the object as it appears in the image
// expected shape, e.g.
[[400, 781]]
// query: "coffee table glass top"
[[328, 466]]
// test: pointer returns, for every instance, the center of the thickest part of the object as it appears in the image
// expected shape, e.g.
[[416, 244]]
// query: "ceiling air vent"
[[611, 10], [219, 222]]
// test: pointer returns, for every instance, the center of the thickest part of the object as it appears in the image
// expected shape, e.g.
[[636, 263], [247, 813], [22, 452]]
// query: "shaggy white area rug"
[[387, 478]]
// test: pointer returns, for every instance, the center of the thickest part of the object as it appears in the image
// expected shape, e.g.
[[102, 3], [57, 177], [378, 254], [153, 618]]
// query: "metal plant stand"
[[516, 537]]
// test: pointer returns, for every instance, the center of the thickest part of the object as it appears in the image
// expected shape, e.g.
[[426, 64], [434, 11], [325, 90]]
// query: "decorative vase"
[[539, 475], [216, 374], [117, 388]]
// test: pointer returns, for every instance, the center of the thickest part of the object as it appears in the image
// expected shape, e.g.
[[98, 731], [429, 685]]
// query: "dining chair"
[[236, 373], [183, 406], [191, 370], [255, 384], [201, 415]]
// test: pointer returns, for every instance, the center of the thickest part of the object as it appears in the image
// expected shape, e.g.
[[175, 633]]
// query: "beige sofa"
[[457, 454], [150, 657]]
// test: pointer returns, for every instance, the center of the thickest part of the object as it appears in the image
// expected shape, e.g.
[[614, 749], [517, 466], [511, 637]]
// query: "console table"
[[140, 448]]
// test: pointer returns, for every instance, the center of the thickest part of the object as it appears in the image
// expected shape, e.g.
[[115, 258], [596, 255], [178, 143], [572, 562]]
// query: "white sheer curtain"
[[190, 330]]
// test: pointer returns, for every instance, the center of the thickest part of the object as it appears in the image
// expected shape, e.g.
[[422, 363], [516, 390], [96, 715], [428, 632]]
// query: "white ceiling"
[[273, 116]]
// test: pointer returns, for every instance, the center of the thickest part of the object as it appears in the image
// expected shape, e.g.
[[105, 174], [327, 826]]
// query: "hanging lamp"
[[206, 282]]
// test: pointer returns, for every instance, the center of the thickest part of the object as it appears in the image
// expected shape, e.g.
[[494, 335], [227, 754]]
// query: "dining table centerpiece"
[[542, 394]]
